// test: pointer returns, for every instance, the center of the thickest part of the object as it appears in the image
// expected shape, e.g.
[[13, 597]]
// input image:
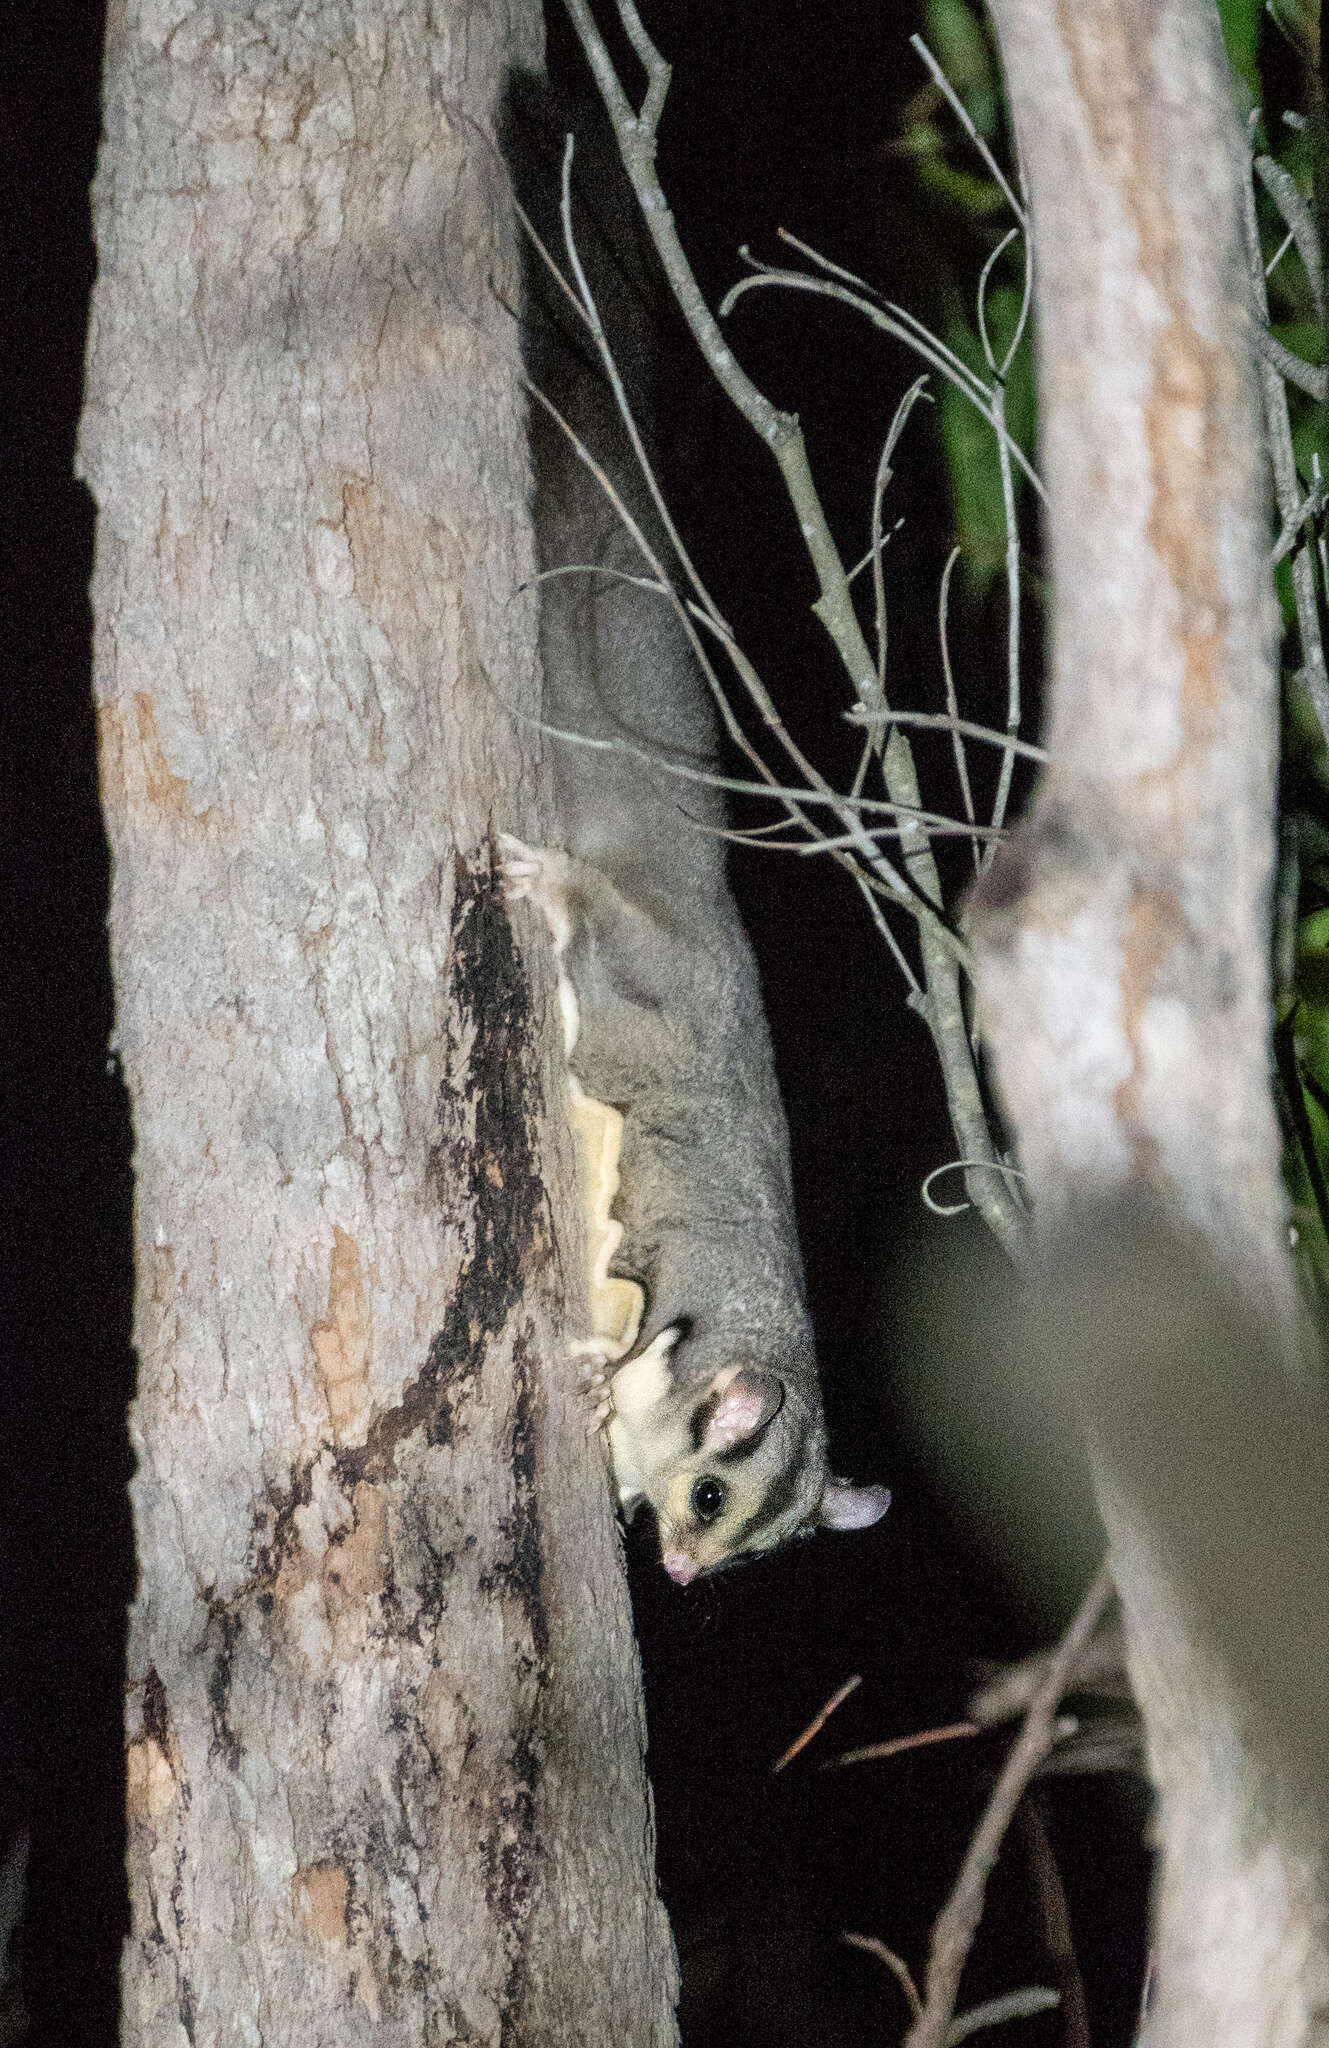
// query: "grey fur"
[[671, 1026]]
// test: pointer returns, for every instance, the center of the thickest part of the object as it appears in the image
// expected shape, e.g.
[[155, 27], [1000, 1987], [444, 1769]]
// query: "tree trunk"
[[384, 1769], [1122, 935]]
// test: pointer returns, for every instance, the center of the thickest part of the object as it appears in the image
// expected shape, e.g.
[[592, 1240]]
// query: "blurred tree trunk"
[[1122, 933], [385, 1733]]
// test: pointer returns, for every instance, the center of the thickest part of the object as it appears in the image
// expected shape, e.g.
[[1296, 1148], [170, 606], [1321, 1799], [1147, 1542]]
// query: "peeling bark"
[[1122, 936], [385, 1733]]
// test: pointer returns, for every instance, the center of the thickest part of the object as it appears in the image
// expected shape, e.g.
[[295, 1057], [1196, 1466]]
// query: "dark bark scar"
[[484, 1169]]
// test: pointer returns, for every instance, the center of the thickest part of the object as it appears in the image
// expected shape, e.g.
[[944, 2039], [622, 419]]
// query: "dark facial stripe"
[[780, 1495], [701, 1419]]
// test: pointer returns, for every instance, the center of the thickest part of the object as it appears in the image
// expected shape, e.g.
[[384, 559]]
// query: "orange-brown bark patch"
[[341, 1341], [352, 1573], [320, 1895], [1153, 926], [167, 793], [150, 1784]]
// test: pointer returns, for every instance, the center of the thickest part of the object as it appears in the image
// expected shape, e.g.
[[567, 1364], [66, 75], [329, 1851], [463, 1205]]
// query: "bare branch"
[[1309, 508], [897, 1965], [1282, 189], [1312, 378], [952, 706], [923, 1738], [1013, 698], [1024, 2004], [904, 326], [958, 1921], [1287, 485], [941, 1001], [968, 1167], [816, 1724], [961, 113], [1054, 1913], [1025, 748]]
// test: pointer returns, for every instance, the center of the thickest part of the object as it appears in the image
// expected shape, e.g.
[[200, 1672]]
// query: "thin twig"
[[1287, 485], [930, 1201], [1054, 1913], [914, 994], [1282, 189], [865, 560], [904, 326], [1312, 378], [1309, 508], [961, 113], [1279, 253], [938, 828], [1025, 748], [1013, 692], [1024, 2004], [1013, 701], [737, 785], [816, 1724], [884, 473], [645, 467], [860, 289], [985, 273], [942, 1005], [957, 1923], [952, 702], [897, 1965], [923, 1738], [1027, 292]]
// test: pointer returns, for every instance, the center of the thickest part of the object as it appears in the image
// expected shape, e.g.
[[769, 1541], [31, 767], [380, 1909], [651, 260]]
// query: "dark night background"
[[780, 114]]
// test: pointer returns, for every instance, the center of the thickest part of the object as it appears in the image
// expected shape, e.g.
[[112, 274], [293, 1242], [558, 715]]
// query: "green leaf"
[[956, 36], [1241, 33]]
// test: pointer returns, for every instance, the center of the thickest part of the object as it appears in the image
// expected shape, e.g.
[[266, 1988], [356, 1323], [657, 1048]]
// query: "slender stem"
[[900, 323], [961, 113], [1013, 704], [952, 704], [1287, 484], [942, 1005], [956, 1924], [1282, 189], [1028, 750]]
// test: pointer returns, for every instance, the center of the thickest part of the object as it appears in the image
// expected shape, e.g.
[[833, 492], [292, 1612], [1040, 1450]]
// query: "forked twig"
[[957, 1922], [993, 2012], [856, 846], [1287, 485], [897, 1966], [939, 998]]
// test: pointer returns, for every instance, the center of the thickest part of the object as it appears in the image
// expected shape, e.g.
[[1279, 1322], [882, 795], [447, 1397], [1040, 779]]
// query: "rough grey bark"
[[385, 1733], [1122, 936]]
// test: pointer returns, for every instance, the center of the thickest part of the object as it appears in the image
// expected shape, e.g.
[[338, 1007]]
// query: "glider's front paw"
[[521, 866], [595, 1356], [540, 872]]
